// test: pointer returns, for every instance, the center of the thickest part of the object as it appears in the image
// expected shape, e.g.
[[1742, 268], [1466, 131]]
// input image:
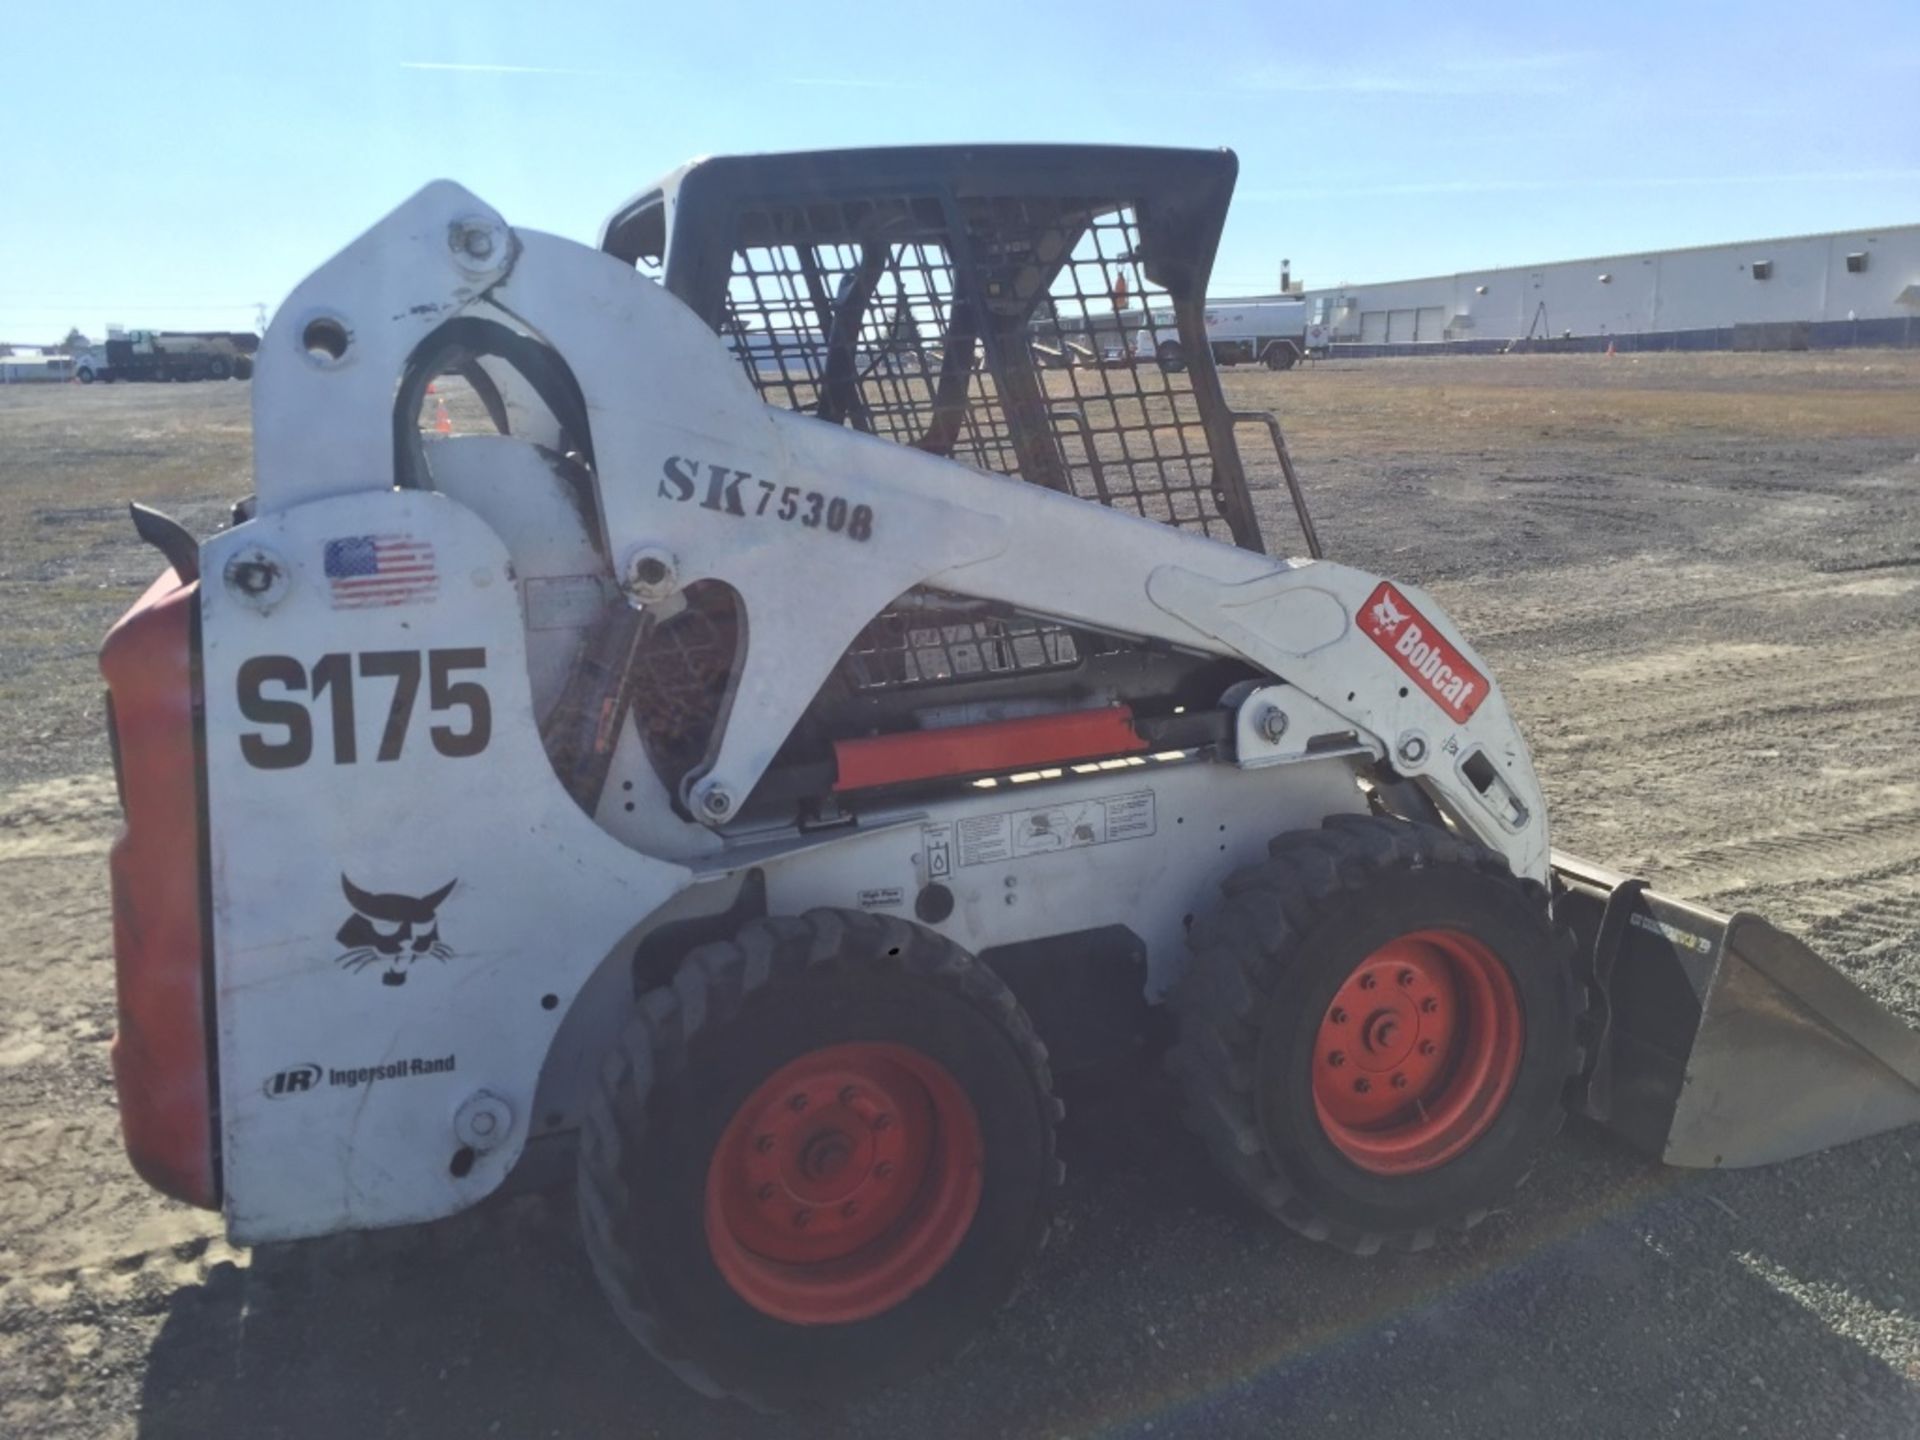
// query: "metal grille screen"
[[876, 314]]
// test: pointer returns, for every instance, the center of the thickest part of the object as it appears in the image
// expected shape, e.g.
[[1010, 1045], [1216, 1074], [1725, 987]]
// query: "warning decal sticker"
[[938, 840], [1016, 834]]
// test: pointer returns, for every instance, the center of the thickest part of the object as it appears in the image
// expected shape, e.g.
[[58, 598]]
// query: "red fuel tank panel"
[[162, 1052]]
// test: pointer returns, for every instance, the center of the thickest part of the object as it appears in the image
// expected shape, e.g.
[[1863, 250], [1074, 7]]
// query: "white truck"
[[1273, 332]]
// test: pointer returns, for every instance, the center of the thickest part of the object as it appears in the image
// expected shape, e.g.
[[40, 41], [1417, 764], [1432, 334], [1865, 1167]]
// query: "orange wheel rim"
[[1417, 1052], [843, 1183]]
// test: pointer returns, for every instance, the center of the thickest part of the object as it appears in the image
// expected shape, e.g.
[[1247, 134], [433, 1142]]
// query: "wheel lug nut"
[[1367, 981], [1399, 1082], [848, 1094], [883, 1121], [850, 1209], [1406, 978], [1339, 1016], [1429, 1005], [1426, 1047], [763, 1194], [802, 1218], [1362, 1085], [884, 1169], [798, 1102], [764, 1144], [1337, 1059]]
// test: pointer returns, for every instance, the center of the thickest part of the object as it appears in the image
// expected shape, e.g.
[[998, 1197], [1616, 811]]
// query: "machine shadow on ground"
[[1162, 1302]]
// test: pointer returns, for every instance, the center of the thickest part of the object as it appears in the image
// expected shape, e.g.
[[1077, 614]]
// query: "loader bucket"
[[1721, 1041]]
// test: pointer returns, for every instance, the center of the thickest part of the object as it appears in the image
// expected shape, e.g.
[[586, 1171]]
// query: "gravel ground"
[[1698, 578]]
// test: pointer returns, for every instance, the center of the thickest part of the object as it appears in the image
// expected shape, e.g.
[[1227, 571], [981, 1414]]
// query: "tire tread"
[[705, 993]]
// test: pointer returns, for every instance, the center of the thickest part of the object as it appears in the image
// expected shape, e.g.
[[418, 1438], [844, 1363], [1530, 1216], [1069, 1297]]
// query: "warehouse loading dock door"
[[1410, 325], [1429, 322], [1403, 327]]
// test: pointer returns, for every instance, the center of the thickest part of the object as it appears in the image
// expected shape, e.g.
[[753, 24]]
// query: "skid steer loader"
[[828, 689]]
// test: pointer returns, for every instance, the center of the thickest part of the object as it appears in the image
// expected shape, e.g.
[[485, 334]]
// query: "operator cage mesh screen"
[[867, 313]]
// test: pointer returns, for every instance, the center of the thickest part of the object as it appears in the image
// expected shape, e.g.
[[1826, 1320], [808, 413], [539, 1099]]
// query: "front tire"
[[1172, 356], [84, 374], [818, 1159], [1377, 1029]]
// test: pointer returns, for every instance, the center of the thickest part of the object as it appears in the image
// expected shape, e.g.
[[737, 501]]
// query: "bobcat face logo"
[[1387, 617], [393, 931]]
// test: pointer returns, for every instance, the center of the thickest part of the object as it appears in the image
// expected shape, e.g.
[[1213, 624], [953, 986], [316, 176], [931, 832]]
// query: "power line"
[[130, 305], [40, 292]]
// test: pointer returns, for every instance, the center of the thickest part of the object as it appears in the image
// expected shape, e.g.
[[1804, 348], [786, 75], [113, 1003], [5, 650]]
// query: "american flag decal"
[[364, 571]]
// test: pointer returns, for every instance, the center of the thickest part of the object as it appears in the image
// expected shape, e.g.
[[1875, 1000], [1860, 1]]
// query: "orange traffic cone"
[[1609, 347], [442, 421]]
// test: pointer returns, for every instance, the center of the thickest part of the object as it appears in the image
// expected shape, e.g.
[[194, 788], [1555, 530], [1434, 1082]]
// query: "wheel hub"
[[1386, 1038], [825, 1156]]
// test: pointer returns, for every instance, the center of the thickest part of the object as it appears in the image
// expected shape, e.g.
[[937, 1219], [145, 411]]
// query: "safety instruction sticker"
[[938, 841], [1685, 939], [1017, 834]]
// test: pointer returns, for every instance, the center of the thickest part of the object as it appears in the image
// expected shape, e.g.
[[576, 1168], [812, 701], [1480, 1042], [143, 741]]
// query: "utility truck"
[[1270, 332], [168, 355]]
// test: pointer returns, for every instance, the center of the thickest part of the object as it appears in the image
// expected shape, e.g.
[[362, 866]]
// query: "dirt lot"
[[1698, 578]]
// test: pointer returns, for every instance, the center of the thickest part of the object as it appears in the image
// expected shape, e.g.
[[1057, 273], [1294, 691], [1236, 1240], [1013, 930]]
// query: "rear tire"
[[84, 374], [1281, 356], [1172, 357], [741, 1115], [219, 369], [1377, 1029]]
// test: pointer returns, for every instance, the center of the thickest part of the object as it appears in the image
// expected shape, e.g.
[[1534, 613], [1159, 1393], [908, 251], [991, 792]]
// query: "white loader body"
[[421, 1091]]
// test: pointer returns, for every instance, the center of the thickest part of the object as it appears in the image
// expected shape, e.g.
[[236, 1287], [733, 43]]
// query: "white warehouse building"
[[1854, 287]]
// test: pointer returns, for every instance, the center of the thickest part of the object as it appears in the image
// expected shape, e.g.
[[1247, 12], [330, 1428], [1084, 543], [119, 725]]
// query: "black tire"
[[1266, 967], [84, 374], [243, 368], [1281, 356], [219, 369], [697, 1050], [1172, 357]]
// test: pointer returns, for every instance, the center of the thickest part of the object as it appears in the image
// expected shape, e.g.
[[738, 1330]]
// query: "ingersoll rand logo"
[[294, 1080], [1423, 653]]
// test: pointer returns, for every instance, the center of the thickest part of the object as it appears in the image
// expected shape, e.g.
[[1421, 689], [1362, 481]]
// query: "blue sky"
[[174, 165]]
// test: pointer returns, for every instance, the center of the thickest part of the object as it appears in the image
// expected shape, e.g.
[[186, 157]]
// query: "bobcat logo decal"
[[393, 931], [1386, 617]]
